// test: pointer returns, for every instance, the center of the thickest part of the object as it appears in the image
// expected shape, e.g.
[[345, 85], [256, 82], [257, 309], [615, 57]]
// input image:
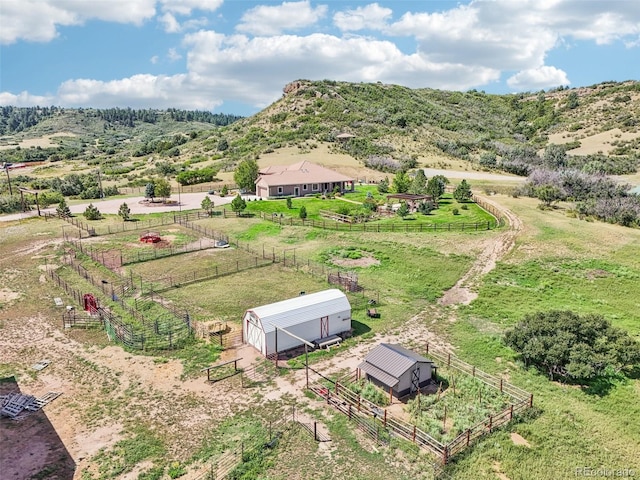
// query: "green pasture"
[[350, 204]]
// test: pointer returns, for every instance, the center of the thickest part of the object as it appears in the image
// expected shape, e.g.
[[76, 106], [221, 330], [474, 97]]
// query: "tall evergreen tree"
[[419, 183]]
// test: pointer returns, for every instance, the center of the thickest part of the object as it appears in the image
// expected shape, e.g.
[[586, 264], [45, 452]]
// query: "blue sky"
[[235, 56]]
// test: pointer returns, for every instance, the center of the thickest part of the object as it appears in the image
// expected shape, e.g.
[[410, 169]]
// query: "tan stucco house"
[[300, 179]]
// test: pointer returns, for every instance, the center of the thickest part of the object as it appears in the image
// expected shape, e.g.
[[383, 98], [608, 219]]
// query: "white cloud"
[[154, 59], [138, 91], [184, 7], [537, 79], [254, 70], [468, 46], [171, 25], [25, 99], [173, 55], [38, 20], [371, 16], [273, 20]]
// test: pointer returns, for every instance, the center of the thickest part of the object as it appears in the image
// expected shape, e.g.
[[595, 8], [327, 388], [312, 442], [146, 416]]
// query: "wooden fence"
[[378, 227], [378, 423], [225, 464]]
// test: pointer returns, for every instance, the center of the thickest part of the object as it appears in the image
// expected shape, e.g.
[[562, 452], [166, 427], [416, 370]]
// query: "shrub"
[[92, 213]]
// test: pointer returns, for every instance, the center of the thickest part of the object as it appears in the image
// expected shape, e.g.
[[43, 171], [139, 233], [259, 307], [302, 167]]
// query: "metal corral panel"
[[293, 311]]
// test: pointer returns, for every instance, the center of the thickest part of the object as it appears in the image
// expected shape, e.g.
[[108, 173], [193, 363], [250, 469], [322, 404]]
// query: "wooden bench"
[[372, 313]]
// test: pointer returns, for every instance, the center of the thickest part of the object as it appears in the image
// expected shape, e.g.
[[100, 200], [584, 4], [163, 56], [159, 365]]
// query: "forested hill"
[[396, 121], [15, 119]]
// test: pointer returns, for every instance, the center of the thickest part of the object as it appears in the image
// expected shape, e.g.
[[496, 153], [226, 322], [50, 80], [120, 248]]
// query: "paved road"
[[188, 201]]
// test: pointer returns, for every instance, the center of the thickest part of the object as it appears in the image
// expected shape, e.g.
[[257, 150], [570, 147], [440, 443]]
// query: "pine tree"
[[462, 193], [419, 184], [150, 191], [303, 212], [403, 211], [238, 204], [63, 210], [124, 211], [383, 186], [92, 213]]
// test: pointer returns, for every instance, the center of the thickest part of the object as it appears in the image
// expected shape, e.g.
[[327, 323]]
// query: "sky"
[[235, 56]]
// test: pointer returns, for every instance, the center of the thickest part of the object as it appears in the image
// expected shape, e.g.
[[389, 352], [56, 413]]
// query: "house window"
[[304, 187], [279, 190], [314, 187]]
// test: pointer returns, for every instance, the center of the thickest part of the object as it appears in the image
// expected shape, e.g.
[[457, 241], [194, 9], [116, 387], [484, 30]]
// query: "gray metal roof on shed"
[[393, 360], [375, 372], [301, 309]]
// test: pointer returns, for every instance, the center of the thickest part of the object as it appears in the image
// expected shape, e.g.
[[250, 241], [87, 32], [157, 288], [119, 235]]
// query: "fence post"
[[511, 412]]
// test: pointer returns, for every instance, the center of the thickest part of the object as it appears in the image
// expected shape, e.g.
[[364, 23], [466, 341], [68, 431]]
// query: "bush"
[[455, 211], [92, 213], [572, 347]]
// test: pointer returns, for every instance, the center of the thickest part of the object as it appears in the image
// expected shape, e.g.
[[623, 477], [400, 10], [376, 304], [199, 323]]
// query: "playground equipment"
[[150, 237]]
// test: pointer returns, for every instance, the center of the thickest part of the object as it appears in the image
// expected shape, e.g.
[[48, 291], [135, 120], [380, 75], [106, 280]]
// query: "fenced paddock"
[[225, 463], [382, 227], [380, 425], [140, 332]]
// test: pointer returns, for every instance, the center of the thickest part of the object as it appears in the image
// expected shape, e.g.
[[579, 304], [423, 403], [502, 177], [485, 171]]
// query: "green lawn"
[[350, 205]]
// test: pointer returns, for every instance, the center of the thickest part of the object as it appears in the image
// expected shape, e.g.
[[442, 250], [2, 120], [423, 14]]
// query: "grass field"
[[159, 411]]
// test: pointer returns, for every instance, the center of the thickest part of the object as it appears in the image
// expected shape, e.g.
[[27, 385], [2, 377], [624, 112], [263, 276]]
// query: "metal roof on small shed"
[[301, 309], [392, 359]]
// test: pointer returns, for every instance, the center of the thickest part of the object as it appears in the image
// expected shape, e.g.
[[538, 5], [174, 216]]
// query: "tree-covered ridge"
[[19, 119], [15, 119], [129, 117]]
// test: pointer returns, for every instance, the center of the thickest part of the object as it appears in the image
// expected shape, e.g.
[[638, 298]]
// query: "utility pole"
[[100, 185], [6, 169]]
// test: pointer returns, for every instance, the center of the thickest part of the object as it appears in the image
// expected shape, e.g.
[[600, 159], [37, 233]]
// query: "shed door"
[[255, 335], [324, 327], [415, 380]]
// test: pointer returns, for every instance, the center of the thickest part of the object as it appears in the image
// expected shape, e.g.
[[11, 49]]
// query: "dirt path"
[[463, 292]]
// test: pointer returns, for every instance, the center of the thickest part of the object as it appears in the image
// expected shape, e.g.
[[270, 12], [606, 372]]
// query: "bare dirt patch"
[[7, 296], [355, 262], [519, 440]]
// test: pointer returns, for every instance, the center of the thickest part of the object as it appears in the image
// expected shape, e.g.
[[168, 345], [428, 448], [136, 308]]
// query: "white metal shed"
[[312, 317]]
